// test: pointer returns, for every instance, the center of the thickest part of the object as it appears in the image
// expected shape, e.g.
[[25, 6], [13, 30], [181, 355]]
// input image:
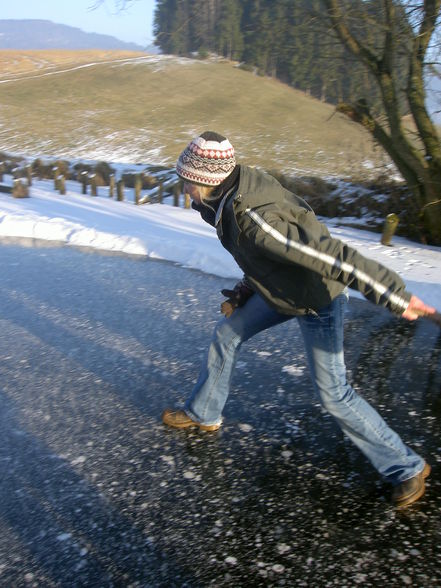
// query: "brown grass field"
[[133, 107]]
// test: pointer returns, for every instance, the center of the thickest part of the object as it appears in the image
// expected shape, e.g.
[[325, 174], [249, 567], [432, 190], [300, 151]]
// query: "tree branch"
[[347, 38], [427, 26], [388, 53], [415, 87], [406, 159]]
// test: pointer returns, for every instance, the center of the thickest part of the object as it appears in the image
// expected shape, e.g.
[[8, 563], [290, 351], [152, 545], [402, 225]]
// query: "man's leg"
[[207, 400], [323, 337]]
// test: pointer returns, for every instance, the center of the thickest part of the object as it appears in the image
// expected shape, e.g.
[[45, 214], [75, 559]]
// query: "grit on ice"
[[162, 231]]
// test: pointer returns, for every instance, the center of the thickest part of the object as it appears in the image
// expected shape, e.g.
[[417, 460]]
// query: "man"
[[292, 268]]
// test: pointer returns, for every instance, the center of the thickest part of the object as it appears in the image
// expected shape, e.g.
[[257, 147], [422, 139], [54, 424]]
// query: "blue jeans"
[[323, 338]]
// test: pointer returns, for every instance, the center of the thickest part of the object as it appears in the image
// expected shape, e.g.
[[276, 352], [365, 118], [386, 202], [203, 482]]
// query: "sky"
[[133, 24], [161, 231]]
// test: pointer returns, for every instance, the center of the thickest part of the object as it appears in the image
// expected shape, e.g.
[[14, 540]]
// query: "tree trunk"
[[431, 209], [418, 159]]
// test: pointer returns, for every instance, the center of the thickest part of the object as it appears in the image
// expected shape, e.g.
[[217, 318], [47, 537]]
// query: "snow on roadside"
[[164, 232], [418, 265]]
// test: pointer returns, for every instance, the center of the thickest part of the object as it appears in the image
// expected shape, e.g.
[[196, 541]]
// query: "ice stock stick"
[[435, 318]]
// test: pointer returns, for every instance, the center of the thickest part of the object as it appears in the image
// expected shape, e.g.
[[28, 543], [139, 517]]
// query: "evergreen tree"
[[203, 17], [229, 38], [283, 38], [171, 26]]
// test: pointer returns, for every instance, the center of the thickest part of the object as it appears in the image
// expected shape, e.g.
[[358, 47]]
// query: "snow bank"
[[161, 231]]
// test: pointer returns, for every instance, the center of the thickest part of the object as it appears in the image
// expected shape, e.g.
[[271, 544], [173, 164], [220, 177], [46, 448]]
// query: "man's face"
[[193, 190]]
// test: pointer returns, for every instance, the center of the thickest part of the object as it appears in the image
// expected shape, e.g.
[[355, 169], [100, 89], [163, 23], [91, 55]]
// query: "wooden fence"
[[89, 184], [116, 189]]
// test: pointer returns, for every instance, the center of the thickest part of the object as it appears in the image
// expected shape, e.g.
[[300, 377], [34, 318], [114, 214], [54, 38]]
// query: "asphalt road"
[[95, 491]]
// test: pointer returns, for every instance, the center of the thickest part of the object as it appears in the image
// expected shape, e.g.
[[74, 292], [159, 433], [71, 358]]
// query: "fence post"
[[20, 190], [62, 185], [55, 170], [389, 228], [83, 180], [187, 203], [93, 186], [29, 174], [176, 193], [120, 190], [160, 192], [111, 186], [138, 187], [2, 170]]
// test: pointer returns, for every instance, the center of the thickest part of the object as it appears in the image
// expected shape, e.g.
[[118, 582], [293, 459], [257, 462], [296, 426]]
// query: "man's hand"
[[236, 297], [417, 308], [227, 308]]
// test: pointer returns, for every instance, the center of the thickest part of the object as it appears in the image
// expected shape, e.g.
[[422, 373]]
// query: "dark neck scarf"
[[208, 208]]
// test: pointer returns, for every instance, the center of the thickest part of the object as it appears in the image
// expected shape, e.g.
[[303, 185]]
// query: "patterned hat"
[[207, 159]]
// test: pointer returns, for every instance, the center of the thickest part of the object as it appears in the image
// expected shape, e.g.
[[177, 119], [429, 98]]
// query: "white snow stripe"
[[73, 68], [328, 259]]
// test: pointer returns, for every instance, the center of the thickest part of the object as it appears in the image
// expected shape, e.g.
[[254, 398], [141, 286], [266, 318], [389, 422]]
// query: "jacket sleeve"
[[307, 242]]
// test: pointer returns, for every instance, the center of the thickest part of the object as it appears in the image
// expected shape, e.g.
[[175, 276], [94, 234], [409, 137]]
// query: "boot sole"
[[189, 425], [194, 426], [405, 502]]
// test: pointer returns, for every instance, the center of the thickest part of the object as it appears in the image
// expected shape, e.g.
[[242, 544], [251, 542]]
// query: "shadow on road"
[[94, 491]]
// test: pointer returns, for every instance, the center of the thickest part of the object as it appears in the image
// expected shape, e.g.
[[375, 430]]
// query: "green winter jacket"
[[289, 257]]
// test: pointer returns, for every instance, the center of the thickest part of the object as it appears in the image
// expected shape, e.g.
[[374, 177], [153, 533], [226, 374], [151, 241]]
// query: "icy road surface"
[[95, 491]]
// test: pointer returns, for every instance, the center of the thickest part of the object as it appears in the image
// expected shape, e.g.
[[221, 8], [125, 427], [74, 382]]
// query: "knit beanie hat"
[[207, 159]]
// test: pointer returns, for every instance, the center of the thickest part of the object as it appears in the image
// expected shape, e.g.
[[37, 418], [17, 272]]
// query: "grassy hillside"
[[146, 108]]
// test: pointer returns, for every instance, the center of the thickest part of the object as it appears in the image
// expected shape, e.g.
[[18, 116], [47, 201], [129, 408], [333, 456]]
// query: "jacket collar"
[[222, 204], [257, 188]]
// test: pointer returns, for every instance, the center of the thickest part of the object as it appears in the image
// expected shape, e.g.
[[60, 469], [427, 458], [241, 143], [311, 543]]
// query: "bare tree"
[[118, 4], [396, 57]]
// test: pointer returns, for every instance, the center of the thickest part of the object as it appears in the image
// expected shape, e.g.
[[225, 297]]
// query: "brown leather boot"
[[179, 420], [410, 490]]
